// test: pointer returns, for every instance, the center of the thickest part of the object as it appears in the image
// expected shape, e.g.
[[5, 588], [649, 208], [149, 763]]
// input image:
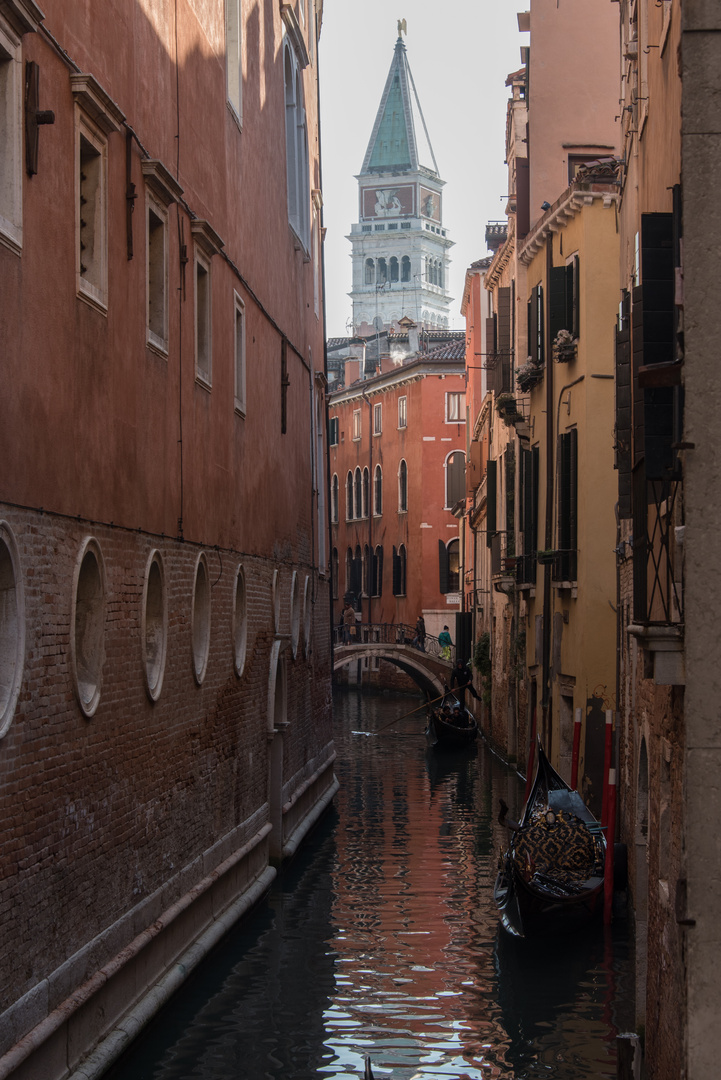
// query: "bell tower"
[[400, 245]]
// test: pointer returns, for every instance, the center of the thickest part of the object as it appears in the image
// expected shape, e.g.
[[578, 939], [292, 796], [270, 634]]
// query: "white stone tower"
[[400, 246]]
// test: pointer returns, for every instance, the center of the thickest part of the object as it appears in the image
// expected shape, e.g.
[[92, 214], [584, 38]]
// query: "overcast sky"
[[460, 53]]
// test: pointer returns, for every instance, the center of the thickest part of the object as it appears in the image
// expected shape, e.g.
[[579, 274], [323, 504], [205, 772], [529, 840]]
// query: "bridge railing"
[[388, 634]]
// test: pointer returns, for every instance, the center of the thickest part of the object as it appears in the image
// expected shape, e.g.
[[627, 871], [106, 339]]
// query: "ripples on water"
[[382, 938]]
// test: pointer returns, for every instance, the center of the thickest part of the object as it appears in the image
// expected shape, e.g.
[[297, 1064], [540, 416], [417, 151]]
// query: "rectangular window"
[[536, 352], [454, 409], [402, 419], [377, 419], [203, 367], [157, 277], [356, 424], [333, 431], [91, 179], [239, 355], [11, 171], [233, 62], [565, 565]]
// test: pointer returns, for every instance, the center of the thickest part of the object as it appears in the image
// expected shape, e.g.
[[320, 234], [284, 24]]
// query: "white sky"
[[460, 52]]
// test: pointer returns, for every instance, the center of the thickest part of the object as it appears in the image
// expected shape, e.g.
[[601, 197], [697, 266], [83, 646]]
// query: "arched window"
[[428, 268], [357, 574], [296, 151], [370, 272], [366, 491], [440, 275], [394, 268], [349, 570], [454, 578], [334, 499], [358, 502], [378, 571], [455, 478], [334, 572], [399, 571], [382, 272], [349, 496], [405, 268], [402, 487], [378, 491]]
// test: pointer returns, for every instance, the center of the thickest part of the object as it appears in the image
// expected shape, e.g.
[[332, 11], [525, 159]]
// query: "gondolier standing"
[[463, 679]]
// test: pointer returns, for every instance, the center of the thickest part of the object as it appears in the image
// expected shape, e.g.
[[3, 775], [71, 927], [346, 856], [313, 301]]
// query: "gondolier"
[[462, 678]]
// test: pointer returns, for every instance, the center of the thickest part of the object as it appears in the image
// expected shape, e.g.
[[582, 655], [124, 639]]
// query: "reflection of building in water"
[[400, 247]]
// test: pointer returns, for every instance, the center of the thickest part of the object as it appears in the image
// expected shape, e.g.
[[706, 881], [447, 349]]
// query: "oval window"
[[88, 627], [240, 622], [154, 626], [200, 619], [294, 613], [12, 627]]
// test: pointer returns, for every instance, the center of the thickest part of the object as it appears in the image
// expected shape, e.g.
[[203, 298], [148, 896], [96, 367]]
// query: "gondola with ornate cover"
[[551, 876]]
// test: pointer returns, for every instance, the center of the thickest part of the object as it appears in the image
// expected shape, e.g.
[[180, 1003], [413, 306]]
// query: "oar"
[[403, 717]]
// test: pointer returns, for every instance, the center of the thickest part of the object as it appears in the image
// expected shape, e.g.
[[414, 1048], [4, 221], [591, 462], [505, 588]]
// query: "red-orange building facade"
[[397, 466], [165, 726]]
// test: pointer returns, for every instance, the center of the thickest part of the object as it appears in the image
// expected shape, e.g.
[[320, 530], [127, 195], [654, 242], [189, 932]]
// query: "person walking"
[[444, 640], [420, 641], [348, 623]]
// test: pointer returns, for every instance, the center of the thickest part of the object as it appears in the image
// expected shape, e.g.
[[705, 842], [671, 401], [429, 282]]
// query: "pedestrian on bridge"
[[348, 623], [444, 640], [420, 638]]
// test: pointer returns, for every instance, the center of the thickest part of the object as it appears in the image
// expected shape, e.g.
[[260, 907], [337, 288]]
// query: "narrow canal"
[[381, 938]]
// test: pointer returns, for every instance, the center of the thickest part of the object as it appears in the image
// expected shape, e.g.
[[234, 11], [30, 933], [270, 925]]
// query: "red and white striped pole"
[[576, 747], [610, 837]]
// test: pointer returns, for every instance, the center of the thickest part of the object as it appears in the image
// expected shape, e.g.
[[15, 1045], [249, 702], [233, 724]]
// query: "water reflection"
[[382, 938]]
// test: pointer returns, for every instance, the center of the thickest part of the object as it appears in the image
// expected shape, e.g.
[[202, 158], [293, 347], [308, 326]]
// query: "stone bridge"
[[394, 643]]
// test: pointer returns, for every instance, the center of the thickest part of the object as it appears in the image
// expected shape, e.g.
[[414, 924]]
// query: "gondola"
[[551, 876], [445, 734]]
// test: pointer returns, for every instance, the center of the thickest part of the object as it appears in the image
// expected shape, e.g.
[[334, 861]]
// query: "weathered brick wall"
[[650, 808], [100, 813]]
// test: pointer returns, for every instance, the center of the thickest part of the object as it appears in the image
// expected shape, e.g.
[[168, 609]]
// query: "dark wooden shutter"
[[503, 337], [573, 296], [657, 283], [623, 409], [566, 565], [557, 300], [535, 325], [523, 197], [528, 510], [510, 524], [443, 567], [490, 501], [640, 543], [379, 571], [396, 572]]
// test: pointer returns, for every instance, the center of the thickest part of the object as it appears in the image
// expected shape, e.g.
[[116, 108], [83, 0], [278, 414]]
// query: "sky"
[[460, 53]]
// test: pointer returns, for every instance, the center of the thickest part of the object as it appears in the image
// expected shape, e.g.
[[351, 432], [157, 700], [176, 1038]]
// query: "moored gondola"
[[451, 727], [551, 876]]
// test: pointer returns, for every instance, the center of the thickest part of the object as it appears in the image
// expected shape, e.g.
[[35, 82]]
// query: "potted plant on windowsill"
[[546, 557], [565, 347], [528, 375], [507, 409]]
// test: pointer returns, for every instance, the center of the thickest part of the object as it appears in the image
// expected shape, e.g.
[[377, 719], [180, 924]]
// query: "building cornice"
[[564, 210], [404, 374], [501, 258]]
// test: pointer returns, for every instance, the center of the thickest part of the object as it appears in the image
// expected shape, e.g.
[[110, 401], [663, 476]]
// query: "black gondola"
[[551, 876], [455, 729]]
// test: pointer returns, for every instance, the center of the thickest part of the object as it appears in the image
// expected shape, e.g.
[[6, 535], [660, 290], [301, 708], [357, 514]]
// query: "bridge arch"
[[429, 675]]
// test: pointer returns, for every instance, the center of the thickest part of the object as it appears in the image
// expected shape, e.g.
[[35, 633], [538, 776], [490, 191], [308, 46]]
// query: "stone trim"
[[96, 103]]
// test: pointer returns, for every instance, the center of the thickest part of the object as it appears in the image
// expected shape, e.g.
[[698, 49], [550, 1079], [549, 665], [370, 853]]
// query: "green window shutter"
[[557, 315]]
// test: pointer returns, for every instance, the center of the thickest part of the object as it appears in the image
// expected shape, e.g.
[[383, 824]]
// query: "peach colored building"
[[165, 727]]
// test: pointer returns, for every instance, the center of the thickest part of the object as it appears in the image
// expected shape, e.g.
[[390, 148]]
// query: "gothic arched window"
[[402, 487], [405, 268], [394, 268], [370, 272]]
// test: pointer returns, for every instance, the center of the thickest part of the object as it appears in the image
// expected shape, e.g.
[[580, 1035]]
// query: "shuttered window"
[[526, 564], [490, 501], [566, 564], [535, 326], [443, 568]]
